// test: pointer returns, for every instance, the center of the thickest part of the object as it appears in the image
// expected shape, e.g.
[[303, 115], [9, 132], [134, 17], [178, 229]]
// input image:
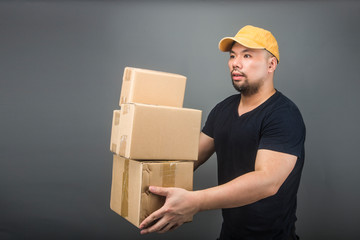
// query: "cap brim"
[[226, 43]]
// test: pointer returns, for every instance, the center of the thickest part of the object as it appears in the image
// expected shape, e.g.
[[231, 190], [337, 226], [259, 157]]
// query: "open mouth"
[[237, 75]]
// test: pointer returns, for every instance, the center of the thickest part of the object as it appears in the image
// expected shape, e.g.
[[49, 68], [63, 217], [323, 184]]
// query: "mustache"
[[235, 70]]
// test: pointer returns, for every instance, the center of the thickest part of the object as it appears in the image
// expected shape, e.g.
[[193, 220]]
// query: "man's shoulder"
[[229, 100], [281, 101], [225, 106], [285, 110]]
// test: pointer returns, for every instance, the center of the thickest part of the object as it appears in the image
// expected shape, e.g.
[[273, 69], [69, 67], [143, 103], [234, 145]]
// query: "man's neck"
[[248, 103]]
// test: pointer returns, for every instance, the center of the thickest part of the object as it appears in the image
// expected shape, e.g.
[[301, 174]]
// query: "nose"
[[236, 63]]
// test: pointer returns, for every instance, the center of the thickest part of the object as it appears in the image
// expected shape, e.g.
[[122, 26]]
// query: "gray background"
[[61, 65]]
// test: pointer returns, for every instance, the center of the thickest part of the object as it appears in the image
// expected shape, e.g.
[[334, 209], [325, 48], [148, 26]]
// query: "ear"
[[272, 64]]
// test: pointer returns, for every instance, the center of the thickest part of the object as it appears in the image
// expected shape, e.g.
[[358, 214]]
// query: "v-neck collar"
[[255, 109]]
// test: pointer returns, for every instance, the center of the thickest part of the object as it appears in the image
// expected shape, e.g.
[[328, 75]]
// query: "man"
[[258, 136]]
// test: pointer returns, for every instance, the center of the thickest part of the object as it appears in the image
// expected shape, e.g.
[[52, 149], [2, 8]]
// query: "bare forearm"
[[199, 162], [271, 170], [241, 191], [206, 149]]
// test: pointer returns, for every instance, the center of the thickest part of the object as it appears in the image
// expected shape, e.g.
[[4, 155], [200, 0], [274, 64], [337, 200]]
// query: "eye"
[[232, 56], [247, 56]]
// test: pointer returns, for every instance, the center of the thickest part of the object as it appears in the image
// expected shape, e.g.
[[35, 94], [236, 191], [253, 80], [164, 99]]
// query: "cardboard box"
[[147, 132], [152, 87], [131, 179]]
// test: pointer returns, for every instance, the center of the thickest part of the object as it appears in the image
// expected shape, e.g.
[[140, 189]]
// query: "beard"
[[247, 89]]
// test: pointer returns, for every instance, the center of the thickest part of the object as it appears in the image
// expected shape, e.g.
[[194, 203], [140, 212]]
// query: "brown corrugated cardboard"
[[152, 87], [130, 197], [147, 132], [115, 134]]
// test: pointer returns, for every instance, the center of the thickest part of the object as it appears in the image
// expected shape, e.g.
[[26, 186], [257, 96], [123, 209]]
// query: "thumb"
[[159, 190]]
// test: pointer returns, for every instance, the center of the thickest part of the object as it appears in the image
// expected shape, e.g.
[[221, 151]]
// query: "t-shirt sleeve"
[[283, 131], [208, 128]]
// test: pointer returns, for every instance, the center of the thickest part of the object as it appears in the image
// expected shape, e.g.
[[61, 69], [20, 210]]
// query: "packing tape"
[[122, 100], [127, 74], [168, 174], [117, 118], [125, 190], [125, 109], [123, 142], [113, 147]]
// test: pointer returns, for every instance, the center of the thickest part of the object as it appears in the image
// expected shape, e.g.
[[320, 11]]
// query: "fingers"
[[159, 190], [154, 228], [161, 226], [148, 224], [159, 222], [157, 226], [166, 218], [169, 227], [150, 220]]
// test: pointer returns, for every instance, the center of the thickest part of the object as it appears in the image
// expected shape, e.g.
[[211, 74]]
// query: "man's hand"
[[180, 206]]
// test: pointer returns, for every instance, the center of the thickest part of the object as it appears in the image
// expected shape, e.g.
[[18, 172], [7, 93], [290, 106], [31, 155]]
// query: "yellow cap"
[[252, 37]]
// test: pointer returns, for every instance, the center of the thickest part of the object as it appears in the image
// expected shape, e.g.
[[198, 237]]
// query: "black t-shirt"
[[276, 125]]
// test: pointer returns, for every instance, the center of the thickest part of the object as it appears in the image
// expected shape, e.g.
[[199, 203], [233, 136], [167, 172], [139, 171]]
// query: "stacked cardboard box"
[[154, 141]]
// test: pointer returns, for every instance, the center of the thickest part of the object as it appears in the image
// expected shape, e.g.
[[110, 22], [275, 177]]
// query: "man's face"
[[248, 68]]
